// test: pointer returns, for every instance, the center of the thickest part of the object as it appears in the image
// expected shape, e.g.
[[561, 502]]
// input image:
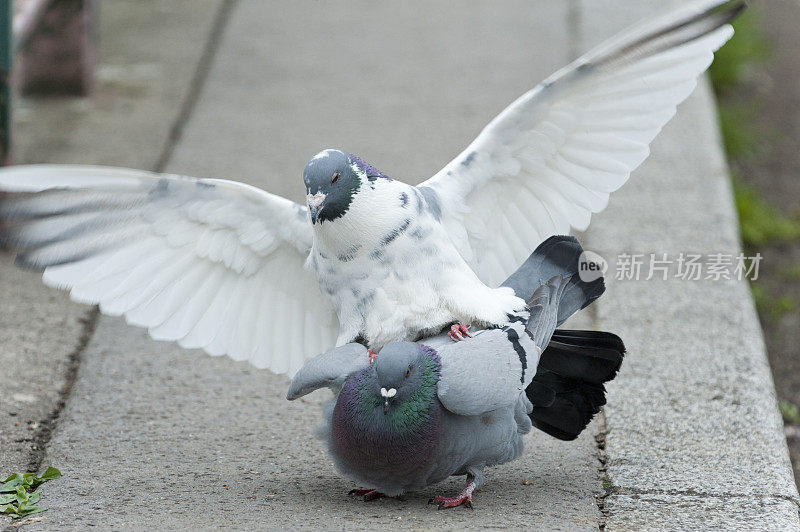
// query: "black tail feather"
[[563, 407], [567, 390], [588, 356], [558, 255]]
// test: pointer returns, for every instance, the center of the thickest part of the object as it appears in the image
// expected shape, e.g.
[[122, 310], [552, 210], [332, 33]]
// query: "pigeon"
[[235, 270], [424, 411]]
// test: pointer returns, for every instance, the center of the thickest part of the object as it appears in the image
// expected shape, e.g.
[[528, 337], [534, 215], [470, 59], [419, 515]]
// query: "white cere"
[[388, 394]]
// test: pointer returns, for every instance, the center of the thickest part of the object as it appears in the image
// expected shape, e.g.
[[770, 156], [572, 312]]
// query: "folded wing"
[[551, 159], [488, 371], [211, 264], [328, 370]]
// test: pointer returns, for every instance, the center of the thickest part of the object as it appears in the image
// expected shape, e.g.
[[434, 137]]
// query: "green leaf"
[[14, 476], [31, 510], [10, 484], [9, 509], [16, 497], [22, 494], [34, 497], [50, 474]]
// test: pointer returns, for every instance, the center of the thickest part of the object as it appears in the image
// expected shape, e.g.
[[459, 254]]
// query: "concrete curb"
[[693, 430], [692, 435]]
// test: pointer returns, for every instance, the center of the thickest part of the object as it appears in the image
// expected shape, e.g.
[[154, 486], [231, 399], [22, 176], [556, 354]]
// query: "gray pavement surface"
[[153, 436], [693, 417], [35, 362], [148, 55], [149, 52]]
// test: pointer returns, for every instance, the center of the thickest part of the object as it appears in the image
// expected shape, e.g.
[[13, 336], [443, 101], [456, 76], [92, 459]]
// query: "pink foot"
[[458, 330], [368, 494], [464, 498], [372, 355]]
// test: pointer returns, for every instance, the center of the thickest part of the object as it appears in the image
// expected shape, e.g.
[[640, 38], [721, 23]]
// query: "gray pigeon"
[[424, 411], [234, 270]]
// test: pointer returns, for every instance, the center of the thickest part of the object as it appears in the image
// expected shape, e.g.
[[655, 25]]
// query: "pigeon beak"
[[315, 205]]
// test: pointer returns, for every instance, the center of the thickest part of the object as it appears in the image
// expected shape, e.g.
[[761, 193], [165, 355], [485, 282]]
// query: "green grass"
[[769, 305], [739, 139], [761, 223], [728, 72], [19, 492], [731, 61], [792, 273], [790, 412]]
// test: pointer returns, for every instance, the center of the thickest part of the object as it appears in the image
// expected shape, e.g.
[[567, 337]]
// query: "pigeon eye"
[[408, 371], [335, 178]]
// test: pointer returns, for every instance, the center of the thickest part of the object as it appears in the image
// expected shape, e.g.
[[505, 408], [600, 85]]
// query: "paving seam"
[[46, 426], [573, 23], [198, 82], [699, 494]]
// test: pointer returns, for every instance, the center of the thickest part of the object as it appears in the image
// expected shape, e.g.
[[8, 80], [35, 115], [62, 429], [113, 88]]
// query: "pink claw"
[[458, 330], [372, 355], [464, 498], [368, 494]]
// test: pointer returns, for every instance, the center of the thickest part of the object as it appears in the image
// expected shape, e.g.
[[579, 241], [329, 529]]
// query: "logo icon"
[[591, 266]]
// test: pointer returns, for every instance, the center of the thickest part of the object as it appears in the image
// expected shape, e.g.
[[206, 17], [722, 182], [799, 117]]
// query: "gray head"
[[403, 369], [332, 179]]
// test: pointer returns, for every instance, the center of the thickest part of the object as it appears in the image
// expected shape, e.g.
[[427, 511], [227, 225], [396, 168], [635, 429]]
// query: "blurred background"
[[70, 101], [756, 77]]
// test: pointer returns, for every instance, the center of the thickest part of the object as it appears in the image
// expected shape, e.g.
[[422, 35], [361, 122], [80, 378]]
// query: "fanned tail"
[[567, 390]]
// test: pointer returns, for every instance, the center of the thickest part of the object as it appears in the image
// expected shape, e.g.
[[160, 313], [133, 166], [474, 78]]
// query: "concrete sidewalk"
[[154, 436]]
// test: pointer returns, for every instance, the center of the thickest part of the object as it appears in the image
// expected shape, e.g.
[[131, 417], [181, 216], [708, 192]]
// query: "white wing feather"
[[211, 264], [551, 159]]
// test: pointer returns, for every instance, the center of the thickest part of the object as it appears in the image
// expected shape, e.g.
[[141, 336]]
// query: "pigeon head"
[[332, 179], [387, 414], [406, 374]]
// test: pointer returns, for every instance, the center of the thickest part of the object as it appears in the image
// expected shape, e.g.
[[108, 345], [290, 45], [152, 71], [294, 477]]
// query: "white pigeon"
[[234, 270]]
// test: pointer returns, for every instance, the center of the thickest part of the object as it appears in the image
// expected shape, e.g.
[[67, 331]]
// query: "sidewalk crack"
[[46, 426], [615, 490], [197, 83], [602, 469]]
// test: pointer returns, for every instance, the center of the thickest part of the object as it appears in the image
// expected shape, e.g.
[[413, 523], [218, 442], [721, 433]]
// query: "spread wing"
[[551, 158], [211, 264]]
